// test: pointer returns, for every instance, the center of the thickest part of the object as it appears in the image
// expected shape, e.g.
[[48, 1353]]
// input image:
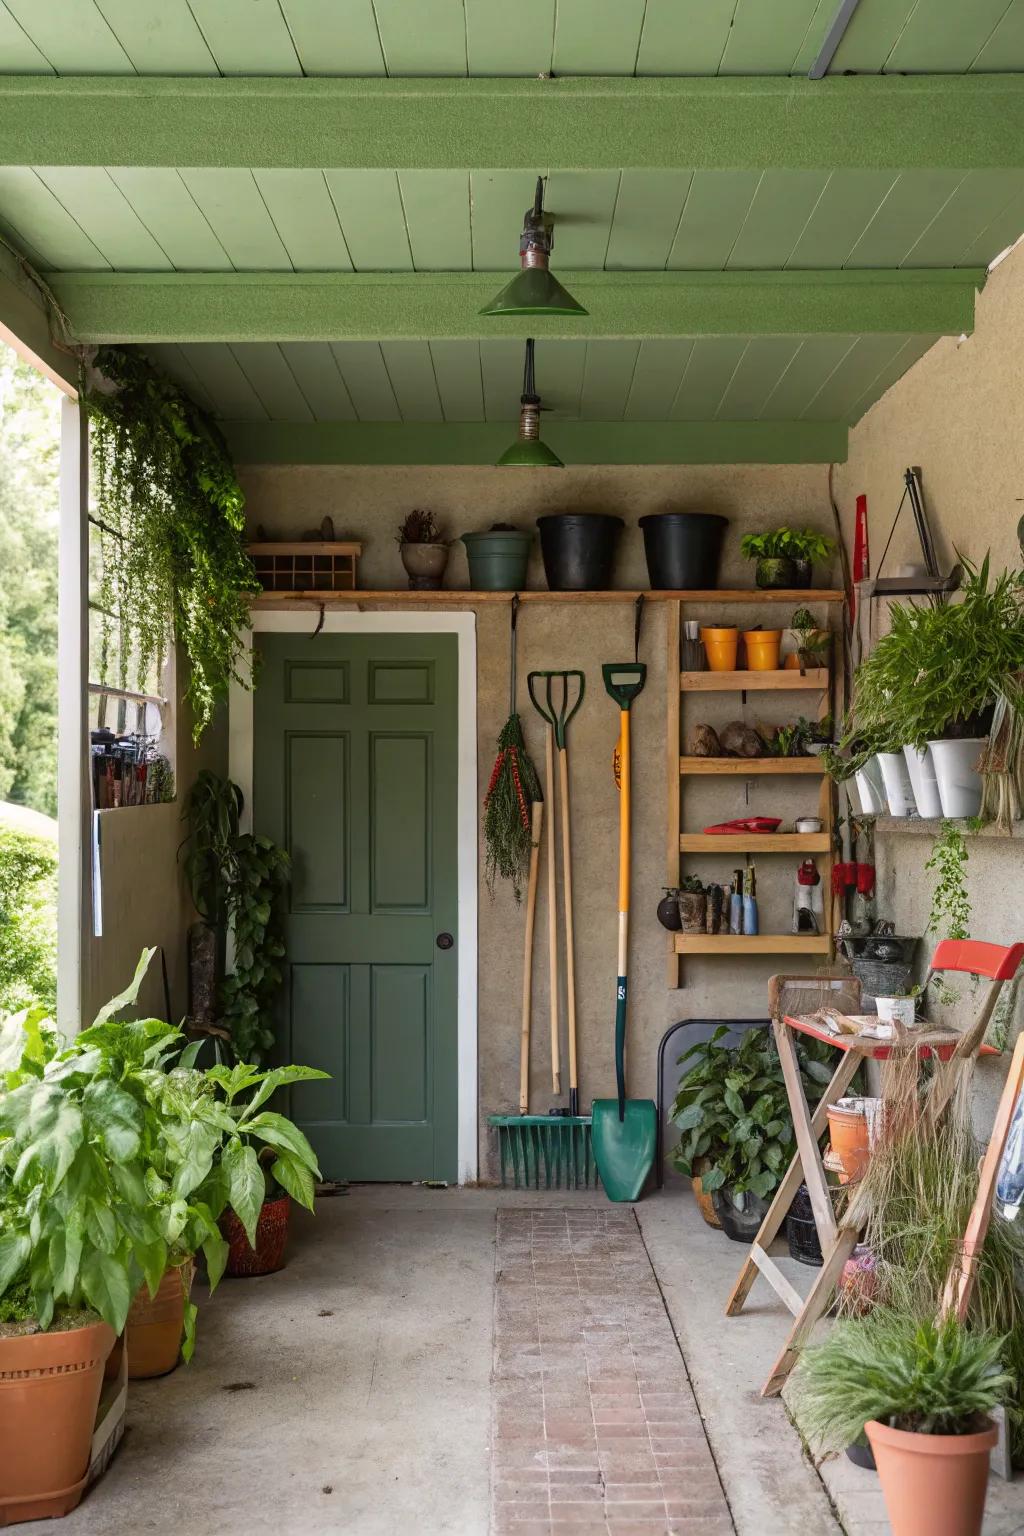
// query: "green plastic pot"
[[498, 559]]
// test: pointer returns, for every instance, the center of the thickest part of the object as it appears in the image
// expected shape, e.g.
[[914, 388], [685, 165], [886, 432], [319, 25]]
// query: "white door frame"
[[240, 767]]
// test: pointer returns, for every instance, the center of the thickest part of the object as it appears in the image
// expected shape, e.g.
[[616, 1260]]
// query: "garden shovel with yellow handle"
[[624, 1130]]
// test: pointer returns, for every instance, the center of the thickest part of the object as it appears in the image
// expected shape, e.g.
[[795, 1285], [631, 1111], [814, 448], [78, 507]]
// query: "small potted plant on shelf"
[[812, 643], [423, 549], [693, 904], [785, 556], [923, 1392]]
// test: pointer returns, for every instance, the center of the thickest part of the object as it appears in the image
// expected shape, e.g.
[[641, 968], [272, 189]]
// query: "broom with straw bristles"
[[511, 793]]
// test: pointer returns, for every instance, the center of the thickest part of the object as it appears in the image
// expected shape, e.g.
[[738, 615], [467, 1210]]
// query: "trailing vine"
[[950, 916], [172, 525]]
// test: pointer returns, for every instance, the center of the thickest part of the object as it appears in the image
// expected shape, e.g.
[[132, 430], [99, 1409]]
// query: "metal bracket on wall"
[[833, 37]]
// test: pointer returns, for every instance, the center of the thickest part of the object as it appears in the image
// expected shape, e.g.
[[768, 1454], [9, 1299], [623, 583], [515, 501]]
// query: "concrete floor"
[[351, 1392]]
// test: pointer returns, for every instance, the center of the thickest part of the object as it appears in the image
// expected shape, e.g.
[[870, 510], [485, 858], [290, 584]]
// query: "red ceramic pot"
[[271, 1240]]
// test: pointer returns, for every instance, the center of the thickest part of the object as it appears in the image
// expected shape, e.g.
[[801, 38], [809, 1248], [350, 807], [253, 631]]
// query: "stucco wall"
[[145, 899], [369, 503], [959, 414]]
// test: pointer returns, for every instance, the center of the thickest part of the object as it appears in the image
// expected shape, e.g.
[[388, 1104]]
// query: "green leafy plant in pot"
[[923, 1392], [238, 880], [736, 1133], [785, 556]]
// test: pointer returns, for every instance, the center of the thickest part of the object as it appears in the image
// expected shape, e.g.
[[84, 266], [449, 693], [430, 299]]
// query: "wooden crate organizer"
[[305, 568]]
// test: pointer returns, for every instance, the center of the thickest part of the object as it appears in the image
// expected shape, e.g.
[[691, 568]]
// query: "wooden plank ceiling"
[[165, 218], [479, 37]]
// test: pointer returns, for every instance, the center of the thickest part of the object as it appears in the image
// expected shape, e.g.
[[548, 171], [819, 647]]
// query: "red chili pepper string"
[[524, 811], [495, 771]]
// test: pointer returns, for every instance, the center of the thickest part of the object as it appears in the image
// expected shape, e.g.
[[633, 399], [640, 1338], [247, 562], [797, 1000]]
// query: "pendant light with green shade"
[[535, 290], [528, 452]]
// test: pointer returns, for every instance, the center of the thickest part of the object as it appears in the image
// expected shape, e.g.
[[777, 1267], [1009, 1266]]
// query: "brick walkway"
[[594, 1424]]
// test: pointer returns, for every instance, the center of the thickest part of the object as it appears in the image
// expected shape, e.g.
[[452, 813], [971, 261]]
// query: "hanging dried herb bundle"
[[172, 541], [513, 788]]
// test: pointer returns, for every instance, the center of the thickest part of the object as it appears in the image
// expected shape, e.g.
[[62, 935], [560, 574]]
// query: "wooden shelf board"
[[751, 767], [767, 842], [458, 596], [753, 943], [815, 679]]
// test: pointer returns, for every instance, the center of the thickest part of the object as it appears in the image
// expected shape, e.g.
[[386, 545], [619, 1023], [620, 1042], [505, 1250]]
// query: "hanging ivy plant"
[[172, 535]]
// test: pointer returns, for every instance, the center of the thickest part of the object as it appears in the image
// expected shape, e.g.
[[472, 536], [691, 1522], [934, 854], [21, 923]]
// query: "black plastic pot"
[[803, 570], [775, 571], [804, 1244], [861, 1454], [578, 550], [741, 1225], [683, 549]]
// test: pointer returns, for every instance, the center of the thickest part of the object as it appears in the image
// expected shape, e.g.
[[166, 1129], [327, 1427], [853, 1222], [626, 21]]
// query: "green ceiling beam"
[[575, 442], [146, 307], [966, 122]]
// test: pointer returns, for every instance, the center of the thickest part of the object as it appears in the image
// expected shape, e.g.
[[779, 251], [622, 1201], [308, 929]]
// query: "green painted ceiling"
[[94, 218], [490, 37], [759, 183]]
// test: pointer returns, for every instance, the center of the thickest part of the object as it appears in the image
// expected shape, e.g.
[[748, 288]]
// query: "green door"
[[355, 774]]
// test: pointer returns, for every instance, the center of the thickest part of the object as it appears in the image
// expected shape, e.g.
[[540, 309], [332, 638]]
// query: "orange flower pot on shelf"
[[720, 647], [934, 1485], [762, 647]]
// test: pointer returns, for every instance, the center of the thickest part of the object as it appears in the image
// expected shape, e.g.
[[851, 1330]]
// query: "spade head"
[[624, 1148]]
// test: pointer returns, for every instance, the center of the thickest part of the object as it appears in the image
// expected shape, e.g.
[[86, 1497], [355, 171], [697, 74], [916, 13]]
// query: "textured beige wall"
[[145, 900], [369, 503], [959, 414]]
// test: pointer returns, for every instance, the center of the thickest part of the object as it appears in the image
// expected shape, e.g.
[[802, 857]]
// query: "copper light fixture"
[[528, 452], [535, 290]]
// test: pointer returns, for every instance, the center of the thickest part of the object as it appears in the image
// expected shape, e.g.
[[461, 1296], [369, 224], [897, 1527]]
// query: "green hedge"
[[28, 920]]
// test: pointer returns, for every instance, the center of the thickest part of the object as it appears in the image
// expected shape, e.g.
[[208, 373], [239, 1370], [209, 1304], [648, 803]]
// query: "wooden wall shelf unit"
[[752, 944], [458, 597], [680, 767]]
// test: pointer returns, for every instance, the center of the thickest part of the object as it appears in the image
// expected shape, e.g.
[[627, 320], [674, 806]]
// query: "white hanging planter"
[[898, 789], [922, 778], [956, 770], [871, 788]]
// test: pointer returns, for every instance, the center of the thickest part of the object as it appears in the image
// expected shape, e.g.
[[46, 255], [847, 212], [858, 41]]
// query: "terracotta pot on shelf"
[[848, 1132], [720, 648], [49, 1392], [155, 1323], [934, 1485], [762, 647], [271, 1240]]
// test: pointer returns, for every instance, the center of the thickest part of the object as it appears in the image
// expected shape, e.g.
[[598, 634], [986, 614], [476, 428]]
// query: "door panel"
[[355, 773]]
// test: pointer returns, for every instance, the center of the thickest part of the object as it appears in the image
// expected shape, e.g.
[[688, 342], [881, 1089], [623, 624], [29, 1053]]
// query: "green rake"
[[545, 1151]]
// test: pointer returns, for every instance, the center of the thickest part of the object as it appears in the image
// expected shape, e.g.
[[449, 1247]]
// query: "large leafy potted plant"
[[238, 880], [736, 1132], [923, 1392]]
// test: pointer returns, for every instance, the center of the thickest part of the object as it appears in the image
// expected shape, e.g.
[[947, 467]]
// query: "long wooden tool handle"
[[536, 822], [570, 961], [549, 775], [621, 983]]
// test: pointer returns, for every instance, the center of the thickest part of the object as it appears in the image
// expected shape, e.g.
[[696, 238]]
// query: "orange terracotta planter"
[[762, 647], [49, 1391], [848, 1132], [155, 1323], [705, 1203], [720, 648], [934, 1485]]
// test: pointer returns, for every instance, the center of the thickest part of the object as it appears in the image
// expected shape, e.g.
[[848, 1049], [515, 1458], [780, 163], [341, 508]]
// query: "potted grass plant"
[[923, 1392]]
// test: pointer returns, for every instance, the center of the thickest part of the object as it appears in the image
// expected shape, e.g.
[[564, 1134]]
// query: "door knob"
[[445, 941]]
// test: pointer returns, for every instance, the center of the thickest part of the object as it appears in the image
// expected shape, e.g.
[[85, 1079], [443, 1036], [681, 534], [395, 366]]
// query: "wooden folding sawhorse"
[[837, 1242]]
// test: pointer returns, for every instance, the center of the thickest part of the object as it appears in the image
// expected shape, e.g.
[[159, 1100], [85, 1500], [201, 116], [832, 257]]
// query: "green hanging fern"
[[174, 560]]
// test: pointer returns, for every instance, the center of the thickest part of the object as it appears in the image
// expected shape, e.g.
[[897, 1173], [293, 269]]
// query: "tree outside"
[[29, 470]]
